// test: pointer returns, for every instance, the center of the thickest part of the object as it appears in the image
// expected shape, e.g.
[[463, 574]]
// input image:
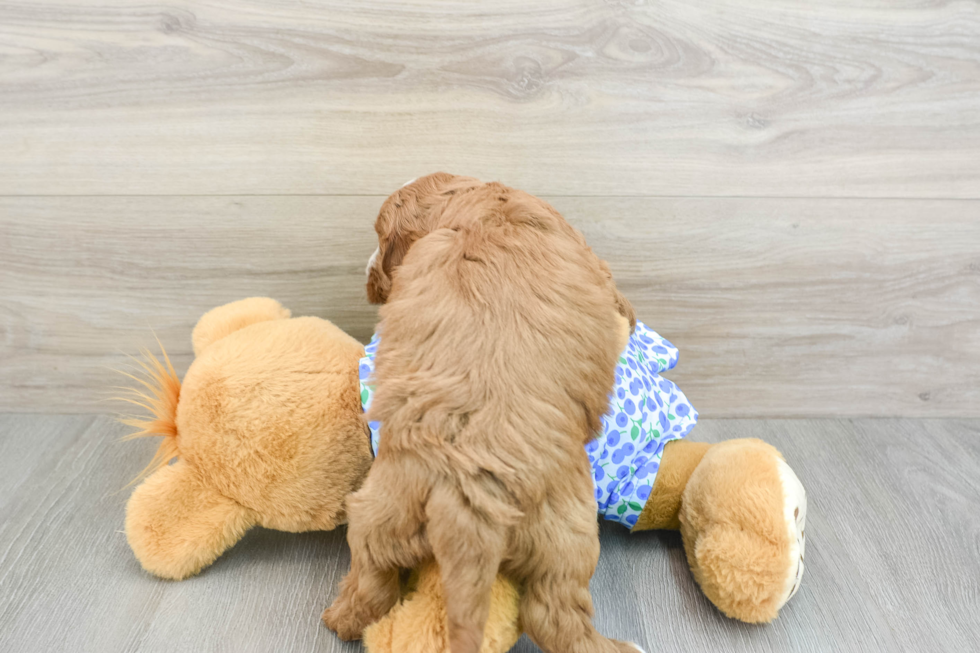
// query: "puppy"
[[500, 332]]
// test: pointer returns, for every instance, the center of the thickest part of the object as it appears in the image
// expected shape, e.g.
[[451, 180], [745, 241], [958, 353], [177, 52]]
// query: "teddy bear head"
[[266, 429]]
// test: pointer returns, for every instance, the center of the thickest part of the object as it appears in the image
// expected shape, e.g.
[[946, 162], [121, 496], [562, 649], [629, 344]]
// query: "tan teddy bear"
[[267, 429]]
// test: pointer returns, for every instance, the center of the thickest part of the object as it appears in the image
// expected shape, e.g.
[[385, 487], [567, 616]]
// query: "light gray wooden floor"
[[893, 553]]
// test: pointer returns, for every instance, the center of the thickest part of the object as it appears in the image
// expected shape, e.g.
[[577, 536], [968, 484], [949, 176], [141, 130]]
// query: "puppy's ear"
[[391, 251], [378, 284], [397, 227], [408, 214]]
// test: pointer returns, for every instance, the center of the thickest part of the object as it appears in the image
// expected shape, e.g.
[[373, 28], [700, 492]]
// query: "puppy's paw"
[[627, 647], [343, 620]]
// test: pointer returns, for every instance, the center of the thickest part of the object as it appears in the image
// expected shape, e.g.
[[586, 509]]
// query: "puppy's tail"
[[159, 396], [468, 548]]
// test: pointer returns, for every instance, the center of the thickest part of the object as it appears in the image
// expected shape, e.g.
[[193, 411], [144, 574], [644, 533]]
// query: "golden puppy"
[[499, 337]]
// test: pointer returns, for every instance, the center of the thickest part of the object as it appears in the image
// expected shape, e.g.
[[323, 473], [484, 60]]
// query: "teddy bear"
[[268, 428]]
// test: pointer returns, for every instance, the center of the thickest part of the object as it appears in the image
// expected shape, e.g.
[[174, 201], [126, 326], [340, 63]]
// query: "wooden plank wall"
[[788, 191]]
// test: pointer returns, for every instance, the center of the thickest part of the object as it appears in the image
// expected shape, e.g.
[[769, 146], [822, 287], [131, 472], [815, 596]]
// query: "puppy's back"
[[499, 338]]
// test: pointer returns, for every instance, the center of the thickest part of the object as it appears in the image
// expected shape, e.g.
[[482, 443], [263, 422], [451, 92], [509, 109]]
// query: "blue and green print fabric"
[[646, 411]]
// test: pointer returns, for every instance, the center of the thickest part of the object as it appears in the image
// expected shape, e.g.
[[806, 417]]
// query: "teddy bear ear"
[[177, 526], [224, 320]]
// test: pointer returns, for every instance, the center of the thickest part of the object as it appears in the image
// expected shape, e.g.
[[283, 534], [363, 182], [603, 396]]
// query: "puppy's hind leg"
[[385, 534], [367, 592], [468, 548], [556, 608]]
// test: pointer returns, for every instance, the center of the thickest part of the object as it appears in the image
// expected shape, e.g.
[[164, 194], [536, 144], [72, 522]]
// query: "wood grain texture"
[[69, 583], [780, 307], [892, 559], [879, 98]]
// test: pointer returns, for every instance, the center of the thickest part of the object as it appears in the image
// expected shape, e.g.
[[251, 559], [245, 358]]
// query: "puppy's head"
[[408, 214]]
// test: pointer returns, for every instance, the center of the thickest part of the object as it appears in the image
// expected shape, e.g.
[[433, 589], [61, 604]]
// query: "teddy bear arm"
[[680, 459], [176, 525]]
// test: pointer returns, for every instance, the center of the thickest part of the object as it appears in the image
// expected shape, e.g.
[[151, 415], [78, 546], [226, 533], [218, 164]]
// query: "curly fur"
[[500, 335]]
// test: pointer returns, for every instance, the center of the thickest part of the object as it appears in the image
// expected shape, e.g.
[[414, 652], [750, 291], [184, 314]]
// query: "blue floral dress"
[[646, 411]]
